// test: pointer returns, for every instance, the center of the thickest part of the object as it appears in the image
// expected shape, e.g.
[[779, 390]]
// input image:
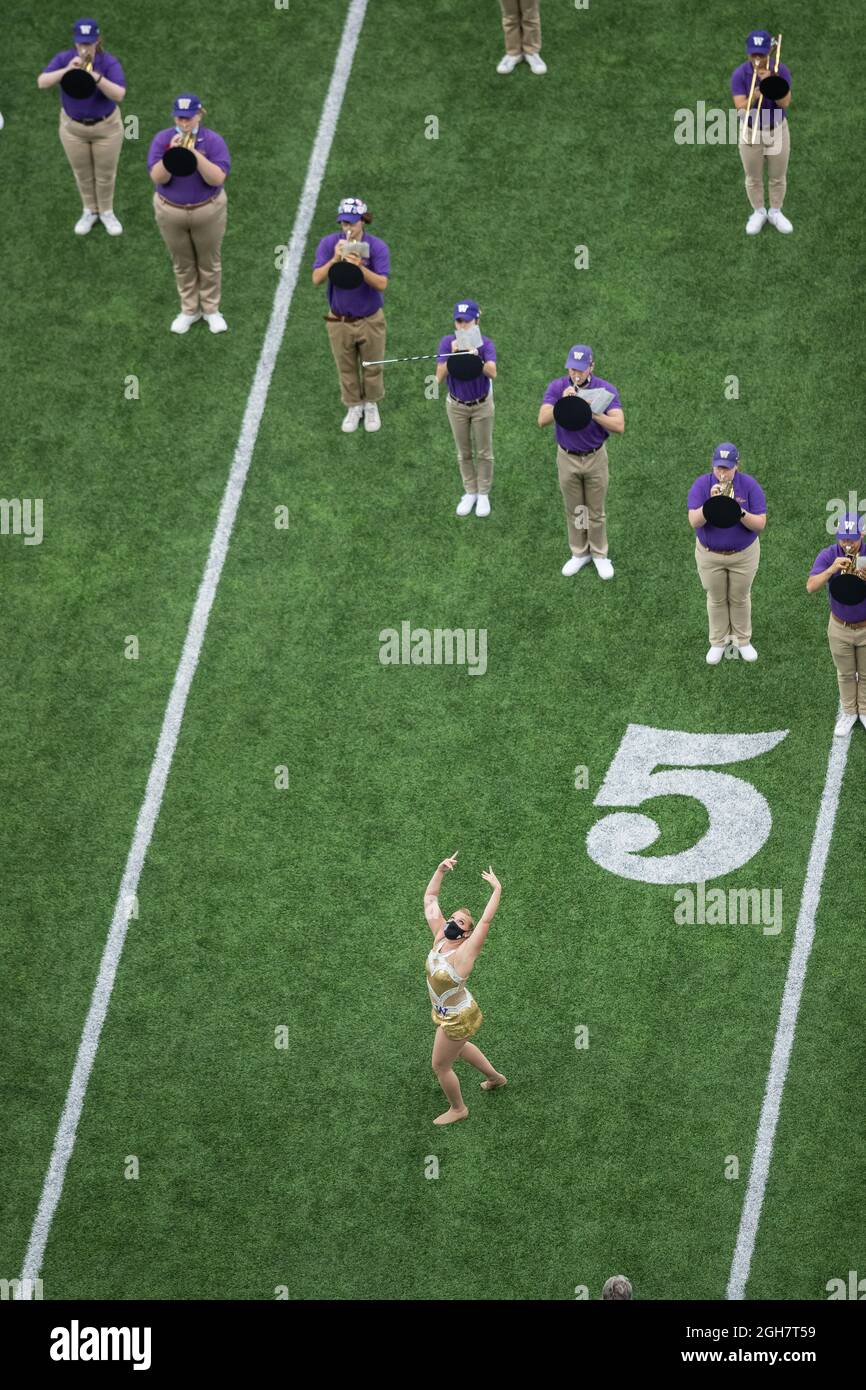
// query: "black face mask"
[[453, 930]]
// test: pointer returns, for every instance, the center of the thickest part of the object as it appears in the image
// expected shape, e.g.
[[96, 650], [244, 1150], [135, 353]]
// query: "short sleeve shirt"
[[750, 496]]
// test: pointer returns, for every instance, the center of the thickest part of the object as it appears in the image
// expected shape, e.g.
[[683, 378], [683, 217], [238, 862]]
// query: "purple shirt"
[[750, 496], [97, 104], [593, 435], [848, 612], [190, 188], [479, 387], [741, 84], [364, 300]]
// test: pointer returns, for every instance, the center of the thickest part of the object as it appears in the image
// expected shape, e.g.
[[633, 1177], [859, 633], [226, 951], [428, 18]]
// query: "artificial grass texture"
[[259, 907]]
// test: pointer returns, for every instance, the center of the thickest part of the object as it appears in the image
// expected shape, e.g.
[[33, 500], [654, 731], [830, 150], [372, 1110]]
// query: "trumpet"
[[188, 141], [723, 489], [775, 45], [849, 564]]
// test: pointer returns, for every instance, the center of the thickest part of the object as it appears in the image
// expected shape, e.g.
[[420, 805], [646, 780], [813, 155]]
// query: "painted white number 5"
[[740, 819]]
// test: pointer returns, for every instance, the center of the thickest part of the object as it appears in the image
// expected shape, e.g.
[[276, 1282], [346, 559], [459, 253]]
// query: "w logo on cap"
[[757, 40], [579, 356], [184, 103], [851, 527], [463, 308], [724, 453], [85, 28]]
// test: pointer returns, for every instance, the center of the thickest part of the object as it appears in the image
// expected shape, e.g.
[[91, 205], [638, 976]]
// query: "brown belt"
[[842, 622], [184, 206], [581, 453], [345, 318]]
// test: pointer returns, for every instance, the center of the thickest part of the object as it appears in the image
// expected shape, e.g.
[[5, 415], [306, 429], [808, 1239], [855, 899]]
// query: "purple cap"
[[579, 358], [85, 31], [466, 309], [759, 41], [351, 210], [726, 456], [187, 104], [850, 527]]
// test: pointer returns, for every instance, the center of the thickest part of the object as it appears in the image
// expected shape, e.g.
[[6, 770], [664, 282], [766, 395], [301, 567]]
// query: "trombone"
[[756, 124]]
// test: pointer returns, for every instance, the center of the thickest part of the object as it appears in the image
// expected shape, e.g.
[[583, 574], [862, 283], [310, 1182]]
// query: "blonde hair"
[[466, 913]]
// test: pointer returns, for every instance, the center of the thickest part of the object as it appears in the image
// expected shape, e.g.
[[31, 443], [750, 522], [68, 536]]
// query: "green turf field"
[[303, 1168]]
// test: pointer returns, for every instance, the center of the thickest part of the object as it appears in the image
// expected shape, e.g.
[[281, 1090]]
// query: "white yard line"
[[784, 1041], [64, 1141]]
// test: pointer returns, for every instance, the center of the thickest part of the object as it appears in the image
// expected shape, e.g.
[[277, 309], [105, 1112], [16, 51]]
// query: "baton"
[[425, 357]]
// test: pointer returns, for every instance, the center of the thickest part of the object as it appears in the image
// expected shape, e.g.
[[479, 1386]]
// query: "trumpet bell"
[[722, 511], [345, 276], [179, 161], [848, 589], [78, 83], [465, 366], [572, 412]]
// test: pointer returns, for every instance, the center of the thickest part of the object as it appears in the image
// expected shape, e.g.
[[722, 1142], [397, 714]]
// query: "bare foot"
[[450, 1116], [494, 1083]]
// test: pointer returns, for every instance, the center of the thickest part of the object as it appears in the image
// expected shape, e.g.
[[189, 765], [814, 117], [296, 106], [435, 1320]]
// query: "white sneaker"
[[715, 655], [603, 566], [352, 419], [536, 63], [576, 563], [756, 221], [509, 62], [483, 508], [215, 322], [372, 421], [844, 724], [86, 222], [779, 220], [466, 503], [184, 322], [747, 652], [110, 223]]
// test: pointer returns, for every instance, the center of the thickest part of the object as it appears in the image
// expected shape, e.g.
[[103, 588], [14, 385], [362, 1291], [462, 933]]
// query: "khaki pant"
[[774, 147], [194, 238], [350, 344], [727, 580], [848, 650], [521, 24], [583, 484], [94, 153], [472, 425]]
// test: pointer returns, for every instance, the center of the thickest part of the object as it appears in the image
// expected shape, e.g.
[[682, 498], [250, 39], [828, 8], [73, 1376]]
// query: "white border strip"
[[64, 1141], [784, 1042]]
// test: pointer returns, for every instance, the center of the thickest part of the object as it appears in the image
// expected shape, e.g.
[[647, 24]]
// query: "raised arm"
[[432, 910], [470, 949]]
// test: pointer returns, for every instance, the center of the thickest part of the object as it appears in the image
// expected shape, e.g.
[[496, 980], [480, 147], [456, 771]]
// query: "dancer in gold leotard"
[[455, 1012]]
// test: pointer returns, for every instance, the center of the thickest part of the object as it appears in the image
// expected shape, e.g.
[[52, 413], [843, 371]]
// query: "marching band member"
[[91, 130], [727, 553], [764, 133], [191, 211], [846, 629], [581, 460], [469, 407], [521, 24], [356, 322], [455, 1012]]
